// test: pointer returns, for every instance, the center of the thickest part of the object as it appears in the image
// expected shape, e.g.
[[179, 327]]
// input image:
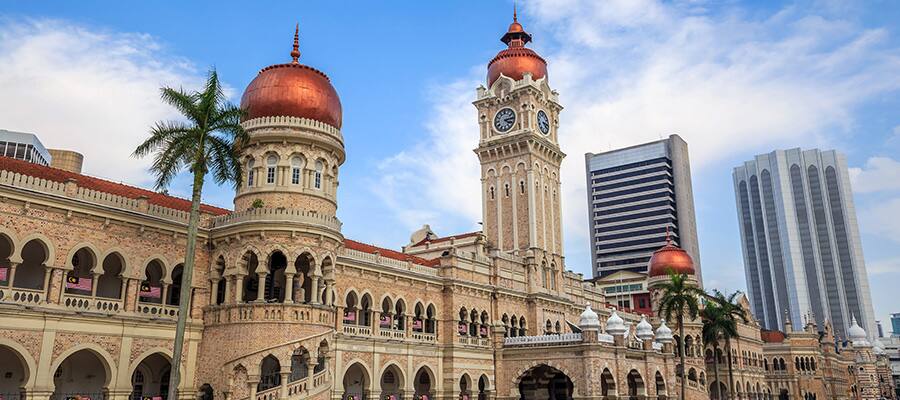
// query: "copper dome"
[[670, 258], [292, 90], [516, 60]]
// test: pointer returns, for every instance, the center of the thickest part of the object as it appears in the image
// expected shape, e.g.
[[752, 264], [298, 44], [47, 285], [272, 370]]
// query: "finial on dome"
[[515, 14], [668, 235], [295, 53]]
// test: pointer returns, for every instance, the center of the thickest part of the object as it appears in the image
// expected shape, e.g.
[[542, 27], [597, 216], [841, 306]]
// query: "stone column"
[[229, 284], [288, 288], [316, 295], [12, 274], [285, 375], [165, 293], [252, 382], [123, 291], [261, 286], [329, 295], [213, 290], [47, 272], [310, 371], [95, 283]]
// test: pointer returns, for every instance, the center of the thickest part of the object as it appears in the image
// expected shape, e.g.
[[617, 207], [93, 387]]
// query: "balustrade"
[[22, 296], [91, 304]]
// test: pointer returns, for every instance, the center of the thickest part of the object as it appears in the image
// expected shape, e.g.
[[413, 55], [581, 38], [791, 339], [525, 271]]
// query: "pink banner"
[[385, 321], [483, 330], [4, 274], [148, 291], [462, 329], [417, 324], [73, 282], [349, 316]]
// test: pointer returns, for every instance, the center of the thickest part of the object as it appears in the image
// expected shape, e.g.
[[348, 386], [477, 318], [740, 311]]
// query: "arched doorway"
[[356, 383], [661, 392], [14, 376], [717, 390], [465, 387], [635, 385], [607, 383], [83, 374], [483, 388], [391, 383], [544, 382], [269, 373], [147, 379], [422, 384]]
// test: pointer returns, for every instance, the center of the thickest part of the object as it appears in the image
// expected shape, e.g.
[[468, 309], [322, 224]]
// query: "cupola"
[[516, 60]]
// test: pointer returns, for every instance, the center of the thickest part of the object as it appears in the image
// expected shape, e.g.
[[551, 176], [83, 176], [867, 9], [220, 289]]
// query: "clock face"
[[543, 122], [504, 120]]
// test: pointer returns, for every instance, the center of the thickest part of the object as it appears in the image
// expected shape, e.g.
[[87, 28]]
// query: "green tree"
[[205, 141], [715, 327], [731, 311], [679, 299]]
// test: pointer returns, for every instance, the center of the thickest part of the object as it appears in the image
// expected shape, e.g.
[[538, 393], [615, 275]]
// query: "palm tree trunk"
[[681, 353], [730, 370], [716, 369], [184, 302]]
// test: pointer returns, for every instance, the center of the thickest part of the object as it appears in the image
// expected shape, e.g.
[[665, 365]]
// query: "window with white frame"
[[250, 173], [296, 170], [271, 162], [318, 175]]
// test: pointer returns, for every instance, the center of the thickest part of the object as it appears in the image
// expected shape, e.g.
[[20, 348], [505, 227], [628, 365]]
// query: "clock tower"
[[518, 118]]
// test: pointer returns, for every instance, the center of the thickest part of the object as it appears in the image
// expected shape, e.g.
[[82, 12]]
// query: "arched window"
[[296, 170], [271, 162], [491, 192], [250, 172], [522, 326], [553, 276], [318, 175], [506, 189], [522, 187]]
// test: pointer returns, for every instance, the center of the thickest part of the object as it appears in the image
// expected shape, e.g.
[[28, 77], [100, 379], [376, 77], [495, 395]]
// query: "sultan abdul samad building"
[[285, 307]]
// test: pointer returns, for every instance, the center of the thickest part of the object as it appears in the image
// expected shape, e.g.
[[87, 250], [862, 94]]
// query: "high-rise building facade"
[[635, 196], [801, 246], [23, 146], [895, 324]]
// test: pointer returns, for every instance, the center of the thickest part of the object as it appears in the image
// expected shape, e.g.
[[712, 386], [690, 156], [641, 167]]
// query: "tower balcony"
[[277, 215], [252, 312]]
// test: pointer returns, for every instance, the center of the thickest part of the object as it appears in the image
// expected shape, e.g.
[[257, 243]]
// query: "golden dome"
[[292, 90], [516, 60], [670, 258]]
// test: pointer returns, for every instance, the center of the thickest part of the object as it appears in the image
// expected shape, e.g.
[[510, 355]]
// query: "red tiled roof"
[[771, 336], [102, 185], [446, 238], [392, 254]]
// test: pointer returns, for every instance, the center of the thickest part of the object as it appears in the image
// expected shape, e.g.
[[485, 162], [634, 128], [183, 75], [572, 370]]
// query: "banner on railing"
[[4, 275], [483, 331], [462, 328], [74, 282], [385, 321], [417, 324], [153, 292], [349, 316]]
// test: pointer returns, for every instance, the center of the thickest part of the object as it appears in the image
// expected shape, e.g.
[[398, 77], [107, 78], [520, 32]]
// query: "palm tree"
[[731, 311], [715, 328], [205, 141], [679, 299]]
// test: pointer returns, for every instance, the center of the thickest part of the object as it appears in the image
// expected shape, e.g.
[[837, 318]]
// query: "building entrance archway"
[[422, 384], [356, 383], [544, 382], [150, 379], [392, 383], [15, 374], [83, 375]]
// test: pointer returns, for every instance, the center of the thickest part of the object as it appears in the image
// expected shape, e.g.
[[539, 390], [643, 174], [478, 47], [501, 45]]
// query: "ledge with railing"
[[474, 341], [26, 297], [389, 262], [83, 303], [277, 215], [268, 312], [542, 340]]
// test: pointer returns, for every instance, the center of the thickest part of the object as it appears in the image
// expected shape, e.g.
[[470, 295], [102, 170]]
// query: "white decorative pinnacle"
[[615, 325], [644, 329], [857, 334], [663, 333], [589, 321]]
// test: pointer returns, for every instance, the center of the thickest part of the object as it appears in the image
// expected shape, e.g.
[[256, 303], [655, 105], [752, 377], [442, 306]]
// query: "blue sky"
[[733, 78]]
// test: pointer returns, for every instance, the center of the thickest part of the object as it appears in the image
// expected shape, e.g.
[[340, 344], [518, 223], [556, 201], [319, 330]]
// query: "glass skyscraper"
[[801, 246]]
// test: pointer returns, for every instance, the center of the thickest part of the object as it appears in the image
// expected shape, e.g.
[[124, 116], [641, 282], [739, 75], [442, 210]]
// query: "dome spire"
[[295, 53], [515, 14], [516, 36]]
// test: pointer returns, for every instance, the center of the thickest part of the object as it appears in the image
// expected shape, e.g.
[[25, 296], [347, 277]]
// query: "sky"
[[733, 78]]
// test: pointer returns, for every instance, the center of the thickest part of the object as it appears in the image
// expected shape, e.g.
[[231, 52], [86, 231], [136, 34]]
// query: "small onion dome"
[[615, 325], [857, 334], [644, 330], [516, 59], [589, 319], [663, 333], [292, 90], [670, 258]]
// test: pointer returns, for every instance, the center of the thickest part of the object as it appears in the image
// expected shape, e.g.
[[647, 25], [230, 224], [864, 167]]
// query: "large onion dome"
[[670, 258], [589, 319], [292, 90], [516, 59]]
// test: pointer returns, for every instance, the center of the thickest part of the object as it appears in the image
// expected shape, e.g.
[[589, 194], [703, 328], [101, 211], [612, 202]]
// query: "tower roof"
[[516, 60]]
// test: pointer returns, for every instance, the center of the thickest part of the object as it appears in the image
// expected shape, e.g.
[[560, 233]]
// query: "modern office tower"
[[23, 146], [895, 324], [636, 195], [802, 252]]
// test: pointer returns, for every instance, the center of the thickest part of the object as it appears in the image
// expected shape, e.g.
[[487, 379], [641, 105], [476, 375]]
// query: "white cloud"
[[881, 219], [88, 90], [883, 266], [879, 174], [732, 84]]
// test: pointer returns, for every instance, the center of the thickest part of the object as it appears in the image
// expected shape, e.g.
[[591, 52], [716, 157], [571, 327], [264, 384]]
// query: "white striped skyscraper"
[[800, 239]]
